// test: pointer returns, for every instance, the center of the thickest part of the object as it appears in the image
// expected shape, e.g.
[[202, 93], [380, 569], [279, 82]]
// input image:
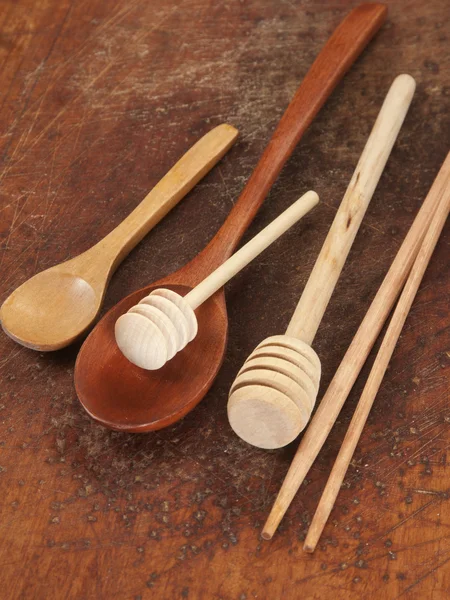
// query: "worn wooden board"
[[98, 100]]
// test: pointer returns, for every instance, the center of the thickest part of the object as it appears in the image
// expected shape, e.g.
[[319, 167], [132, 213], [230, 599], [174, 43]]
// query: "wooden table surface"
[[98, 100]]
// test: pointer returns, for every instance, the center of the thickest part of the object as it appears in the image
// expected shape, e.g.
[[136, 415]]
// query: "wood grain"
[[112, 92]]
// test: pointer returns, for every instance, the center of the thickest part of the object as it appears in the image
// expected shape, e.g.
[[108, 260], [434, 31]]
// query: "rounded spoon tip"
[[50, 310]]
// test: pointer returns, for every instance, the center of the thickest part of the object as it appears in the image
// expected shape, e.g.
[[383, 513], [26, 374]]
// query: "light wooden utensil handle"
[[325, 274], [181, 178], [163, 323], [247, 253], [355, 357], [442, 187]]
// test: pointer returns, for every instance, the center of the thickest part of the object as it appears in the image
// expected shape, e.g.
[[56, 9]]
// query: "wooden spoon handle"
[[325, 274], [181, 178], [337, 56]]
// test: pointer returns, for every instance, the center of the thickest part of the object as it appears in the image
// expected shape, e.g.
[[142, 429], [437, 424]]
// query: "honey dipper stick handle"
[[247, 253], [378, 370], [325, 274]]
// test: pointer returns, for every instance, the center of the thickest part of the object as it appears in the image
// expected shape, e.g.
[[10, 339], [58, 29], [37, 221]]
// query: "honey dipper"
[[273, 395], [164, 322]]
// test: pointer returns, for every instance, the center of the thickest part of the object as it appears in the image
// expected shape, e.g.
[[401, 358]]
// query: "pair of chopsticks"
[[405, 273]]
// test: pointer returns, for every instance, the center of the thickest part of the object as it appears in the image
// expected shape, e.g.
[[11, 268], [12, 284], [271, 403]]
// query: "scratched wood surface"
[[98, 100]]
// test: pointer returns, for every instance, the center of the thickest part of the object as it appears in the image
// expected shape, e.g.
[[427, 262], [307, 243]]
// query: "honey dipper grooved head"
[[155, 329], [273, 395]]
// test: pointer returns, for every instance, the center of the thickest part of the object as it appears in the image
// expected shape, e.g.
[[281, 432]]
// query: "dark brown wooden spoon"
[[122, 396]]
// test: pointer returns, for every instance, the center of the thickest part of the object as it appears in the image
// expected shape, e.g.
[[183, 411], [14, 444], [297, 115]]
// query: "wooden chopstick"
[[354, 359], [442, 187]]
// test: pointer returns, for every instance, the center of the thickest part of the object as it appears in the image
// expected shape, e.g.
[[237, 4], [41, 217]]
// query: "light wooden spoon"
[[53, 308]]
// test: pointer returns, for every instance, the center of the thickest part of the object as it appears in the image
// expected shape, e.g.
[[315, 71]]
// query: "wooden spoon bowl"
[[26, 321], [125, 397]]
